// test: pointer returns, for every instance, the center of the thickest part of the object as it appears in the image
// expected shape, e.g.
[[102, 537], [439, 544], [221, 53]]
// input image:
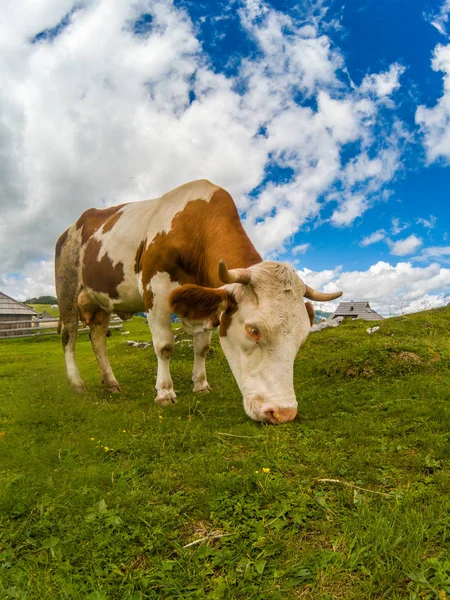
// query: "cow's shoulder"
[[93, 218]]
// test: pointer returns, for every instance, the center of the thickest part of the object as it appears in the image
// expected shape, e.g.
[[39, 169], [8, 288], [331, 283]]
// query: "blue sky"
[[326, 121]]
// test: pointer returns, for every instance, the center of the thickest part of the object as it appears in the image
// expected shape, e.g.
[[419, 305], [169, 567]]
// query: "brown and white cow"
[[186, 252]]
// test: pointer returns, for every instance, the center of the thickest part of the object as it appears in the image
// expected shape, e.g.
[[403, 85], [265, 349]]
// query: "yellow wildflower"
[[266, 470], [106, 448]]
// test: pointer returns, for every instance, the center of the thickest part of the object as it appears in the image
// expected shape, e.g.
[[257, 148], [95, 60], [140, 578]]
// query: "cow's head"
[[263, 320]]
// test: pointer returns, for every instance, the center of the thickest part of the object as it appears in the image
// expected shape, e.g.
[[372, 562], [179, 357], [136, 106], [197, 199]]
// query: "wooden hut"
[[15, 317], [356, 310]]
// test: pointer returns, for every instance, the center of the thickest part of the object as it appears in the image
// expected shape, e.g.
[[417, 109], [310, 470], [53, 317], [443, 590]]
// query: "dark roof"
[[356, 310], [9, 306]]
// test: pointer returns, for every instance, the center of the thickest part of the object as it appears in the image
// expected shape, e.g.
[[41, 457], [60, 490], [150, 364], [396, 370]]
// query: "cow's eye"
[[253, 332]]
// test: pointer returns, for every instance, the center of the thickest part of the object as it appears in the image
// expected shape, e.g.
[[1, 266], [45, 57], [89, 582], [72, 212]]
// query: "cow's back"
[[105, 249]]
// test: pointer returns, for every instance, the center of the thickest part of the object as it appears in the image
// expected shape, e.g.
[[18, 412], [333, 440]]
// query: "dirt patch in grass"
[[409, 358]]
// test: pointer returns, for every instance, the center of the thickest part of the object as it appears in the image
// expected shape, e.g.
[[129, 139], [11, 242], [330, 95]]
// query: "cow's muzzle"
[[276, 415]]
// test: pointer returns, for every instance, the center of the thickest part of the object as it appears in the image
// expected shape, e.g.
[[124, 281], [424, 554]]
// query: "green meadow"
[[108, 497]]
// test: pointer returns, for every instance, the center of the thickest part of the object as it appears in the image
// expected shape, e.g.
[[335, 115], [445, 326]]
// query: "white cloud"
[[434, 252], [383, 84], [440, 19], [407, 246], [35, 280], [390, 289], [301, 249], [351, 208], [398, 227], [373, 238], [434, 122], [427, 223]]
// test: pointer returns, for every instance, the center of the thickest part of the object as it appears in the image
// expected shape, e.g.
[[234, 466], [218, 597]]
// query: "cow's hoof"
[[113, 388], [80, 388], [166, 398], [203, 387]]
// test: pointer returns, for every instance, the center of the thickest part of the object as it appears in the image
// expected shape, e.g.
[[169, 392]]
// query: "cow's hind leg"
[[201, 347], [67, 289], [99, 327], [69, 328]]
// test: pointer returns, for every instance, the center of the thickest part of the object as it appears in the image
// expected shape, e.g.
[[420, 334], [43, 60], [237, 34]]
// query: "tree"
[[42, 300]]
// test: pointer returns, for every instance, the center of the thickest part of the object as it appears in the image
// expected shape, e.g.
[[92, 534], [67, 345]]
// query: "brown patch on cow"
[[200, 235], [225, 319], [109, 224], [60, 243], [137, 262], [94, 218], [195, 303], [65, 336], [311, 312], [101, 275], [167, 351]]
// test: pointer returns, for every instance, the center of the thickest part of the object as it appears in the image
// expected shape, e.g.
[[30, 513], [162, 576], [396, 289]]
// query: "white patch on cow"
[[72, 370], [161, 286], [273, 305], [162, 335]]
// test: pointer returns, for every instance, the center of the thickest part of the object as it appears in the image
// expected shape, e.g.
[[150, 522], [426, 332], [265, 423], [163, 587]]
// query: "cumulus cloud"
[[434, 252], [373, 238], [390, 289], [383, 84], [35, 280], [434, 122], [407, 246]]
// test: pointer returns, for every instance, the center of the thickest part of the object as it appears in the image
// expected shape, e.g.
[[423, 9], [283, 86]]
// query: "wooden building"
[[15, 317], [356, 310]]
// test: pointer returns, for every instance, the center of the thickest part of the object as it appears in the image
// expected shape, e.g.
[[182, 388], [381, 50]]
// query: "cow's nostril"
[[272, 416], [276, 415]]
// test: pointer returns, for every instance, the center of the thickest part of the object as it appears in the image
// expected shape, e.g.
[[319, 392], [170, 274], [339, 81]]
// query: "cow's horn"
[[233, 275], [320, 296]]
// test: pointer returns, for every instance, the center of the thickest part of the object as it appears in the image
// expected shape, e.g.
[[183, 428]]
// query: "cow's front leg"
[[163, 343], [201, 347]]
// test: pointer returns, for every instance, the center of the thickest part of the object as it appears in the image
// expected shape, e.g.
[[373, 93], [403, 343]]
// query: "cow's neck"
[[235, 258], [235, 249]]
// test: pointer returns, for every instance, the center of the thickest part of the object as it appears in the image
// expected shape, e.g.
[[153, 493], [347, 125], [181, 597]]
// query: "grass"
[[112, 497], [53, 312]]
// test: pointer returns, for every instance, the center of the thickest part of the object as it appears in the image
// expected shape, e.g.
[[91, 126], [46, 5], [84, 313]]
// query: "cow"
[[186, 253]]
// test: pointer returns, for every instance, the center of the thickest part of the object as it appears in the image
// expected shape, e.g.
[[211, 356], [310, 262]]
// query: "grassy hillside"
[[53, 312], [112, 497]]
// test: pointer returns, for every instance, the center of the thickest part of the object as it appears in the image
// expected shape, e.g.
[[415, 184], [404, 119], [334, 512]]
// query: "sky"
[[328, 122]]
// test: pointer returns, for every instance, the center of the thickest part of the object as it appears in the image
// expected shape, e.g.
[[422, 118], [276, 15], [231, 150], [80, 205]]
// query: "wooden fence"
[[40, 327]]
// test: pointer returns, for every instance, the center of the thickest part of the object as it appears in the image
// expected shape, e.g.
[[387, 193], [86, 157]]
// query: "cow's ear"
[[311, 312], [197, 303]]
